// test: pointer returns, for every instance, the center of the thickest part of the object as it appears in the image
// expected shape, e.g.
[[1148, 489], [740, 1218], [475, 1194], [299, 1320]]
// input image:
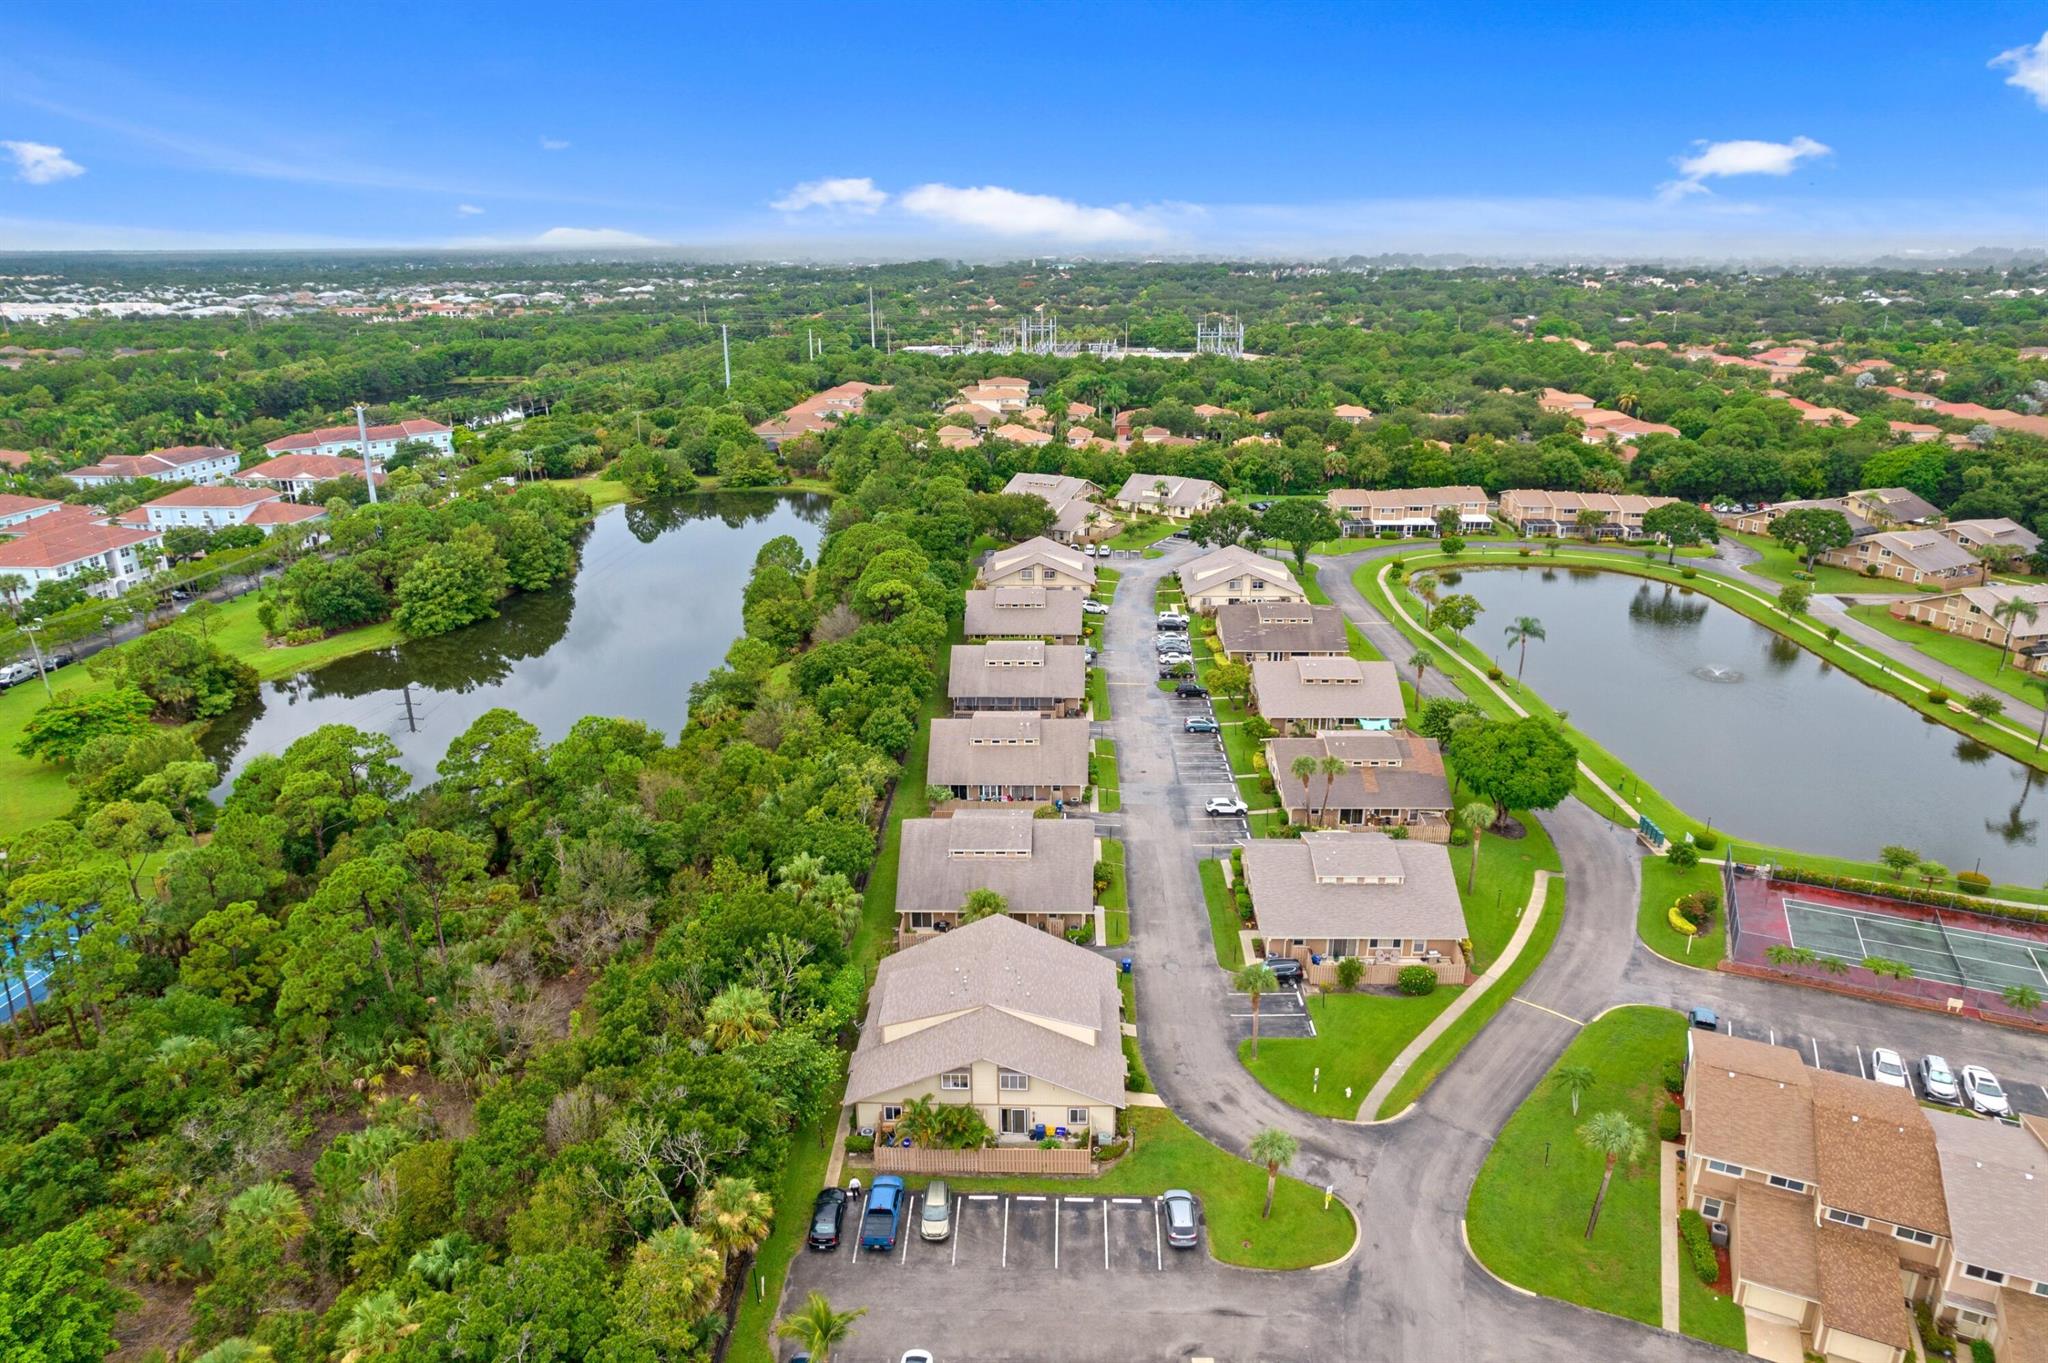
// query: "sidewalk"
[[1667, 1237], [1413, 1051]]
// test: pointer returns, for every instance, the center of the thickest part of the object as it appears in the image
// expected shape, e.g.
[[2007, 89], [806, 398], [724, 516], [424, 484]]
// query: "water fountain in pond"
[[1713, 673]]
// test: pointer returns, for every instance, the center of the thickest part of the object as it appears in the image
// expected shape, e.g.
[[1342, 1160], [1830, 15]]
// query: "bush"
[[1683, 855], [1459, 837], [1679, 922], [857, 1144], [1350, 971], [1494, 674], [1937, 696], [1688, 573], [1667, 1130], [1910, 894], [1525, 551], [1698, 1240], [1972, 882], [1982, 1352], [1939, 1345], [1706, 840], [1416, 980], [1673, 1076]]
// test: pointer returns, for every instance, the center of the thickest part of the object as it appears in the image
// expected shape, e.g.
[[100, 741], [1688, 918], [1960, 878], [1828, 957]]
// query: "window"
[[892, 1111], [1077, 1116], [1790, 1185], [1983, 1275], [2041, 1289], [955, 1079], [1723, 1167], [1849, 1219], [1711, 1208], [1012, 1081], [1907, 1233]]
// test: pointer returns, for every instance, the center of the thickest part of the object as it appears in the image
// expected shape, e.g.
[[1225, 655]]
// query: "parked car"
[[1172, 620], [1705, 1019], [14, 673], [1177, 668], [1183, 1218], [1188, 690], [1262, 506], [1172, 643], [917, 1356], [62, 658], [1937, 1081], [880, 1222], [1982, 1093], [1887, 1067], [828, 1214], [1093, 607], [1226, 804], [1197, 725], [935, 1221], [1177, 660], [1285, 969]]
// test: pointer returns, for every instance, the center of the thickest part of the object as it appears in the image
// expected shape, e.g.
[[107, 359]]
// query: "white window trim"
[[1849, 1219], [1913, 1236], [892, 1111], [1724, 1167], [1983, 1275], [1711, 1208], [1004, 1084], [1790, 1185], [966, 1078], [1077, 1116]]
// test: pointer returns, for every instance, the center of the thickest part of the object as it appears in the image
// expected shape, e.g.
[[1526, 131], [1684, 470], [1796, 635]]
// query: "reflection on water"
[[653, 608], [1735, 723]]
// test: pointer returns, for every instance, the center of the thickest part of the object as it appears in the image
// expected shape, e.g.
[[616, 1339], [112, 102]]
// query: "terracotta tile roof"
[[285, 513], [412, 428], [225, 495], [15, 459], [69, 543], [13, 505], [321, 468]]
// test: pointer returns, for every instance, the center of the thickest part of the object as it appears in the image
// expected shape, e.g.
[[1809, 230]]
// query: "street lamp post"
[[107, 628], [30, 628]]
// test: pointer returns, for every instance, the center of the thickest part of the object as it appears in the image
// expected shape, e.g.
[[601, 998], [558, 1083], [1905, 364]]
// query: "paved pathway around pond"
[[1833, 610]]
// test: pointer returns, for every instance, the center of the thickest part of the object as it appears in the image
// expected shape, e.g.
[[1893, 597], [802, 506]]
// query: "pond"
[[1732, 722], [652, 610]]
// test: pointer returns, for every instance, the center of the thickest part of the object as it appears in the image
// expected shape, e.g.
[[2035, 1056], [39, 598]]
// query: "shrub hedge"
[[1939, 899], [1699, 1245]]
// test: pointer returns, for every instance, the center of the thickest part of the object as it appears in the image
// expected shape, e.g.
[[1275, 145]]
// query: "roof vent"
[[1852, 1116]]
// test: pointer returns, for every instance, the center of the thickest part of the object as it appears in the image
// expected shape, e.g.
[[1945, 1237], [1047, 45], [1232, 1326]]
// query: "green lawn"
[[603, 491], [1663, 883], [1361, 647], [1312, 586], [1705, 1314], [1105, 583], [1972, 657], [1116, 906], [1223, 920], [1108, 793], [1500, 891], [1098, 693], [1169, 1155], [1458, 1035], [1778, 565], [809, 1152], [1127, 985], [1144, 532], [1527, 1214], [1357, 1035]]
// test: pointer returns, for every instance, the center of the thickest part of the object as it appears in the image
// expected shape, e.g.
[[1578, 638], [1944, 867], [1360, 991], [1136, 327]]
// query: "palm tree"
[[1255, 979], [1331, 768], [1304, 769], [271, 1206], [739, 1016], [1276, 1150], [982, 903], [817, 1327], [2007, 612], [1422, 661], [1613, 1135], [1477, 817], [734, 1215], [680, 1270], [2023, 997], [1425, 588], [377, 1327], [1574, 1080], [1525, 628]]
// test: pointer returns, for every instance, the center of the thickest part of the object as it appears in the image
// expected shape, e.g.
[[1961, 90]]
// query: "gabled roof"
[[1023, 610], [1996, 1181], [1382, 771], [1752, 1105], [1180, 492], [1326, 688], [1875, 1152], [1017, 668], [223, 495], [1280, 627], [1233, 560], [1037, 865], [411, 428], [1928, 550], [1039, 550], [320, 468], [1292, 882], [1008, 750]]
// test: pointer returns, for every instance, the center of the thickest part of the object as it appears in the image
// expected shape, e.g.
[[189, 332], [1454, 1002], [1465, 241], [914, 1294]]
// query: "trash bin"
[[1124, 965]]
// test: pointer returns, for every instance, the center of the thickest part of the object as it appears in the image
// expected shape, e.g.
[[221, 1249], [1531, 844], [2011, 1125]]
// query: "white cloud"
[[38, 163], [2029, 69], [1744, 156], [852, 194], [1012, 213], [554, 144], [468, 210], [591, 236]]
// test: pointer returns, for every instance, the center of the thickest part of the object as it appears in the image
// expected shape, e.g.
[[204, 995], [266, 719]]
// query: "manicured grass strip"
[[1098, 693], [1108, 793], [1779, 566], [1127, 985], [1357, 1036], [1527, 1215], [1224, 923], [1663, 883], [1507, 873], [1312, 586], [603, 491], [1705, 1314], [1972, 657], [1361, 647], [802, 1175], [1459, 1034], [1169, 1155], [1116, 908], [1144, 533], [1135, 1078]]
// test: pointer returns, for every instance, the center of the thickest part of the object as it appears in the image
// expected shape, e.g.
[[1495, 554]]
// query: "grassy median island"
[[1356, 1036], [1663, 883], [1167, 1154], [1115, 901], [1527, 1216], [1224, 924]]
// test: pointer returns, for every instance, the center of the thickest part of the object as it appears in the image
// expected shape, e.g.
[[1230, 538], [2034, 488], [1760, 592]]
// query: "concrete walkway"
[[1438, 1025], [1833, 610], [1667, 1235]]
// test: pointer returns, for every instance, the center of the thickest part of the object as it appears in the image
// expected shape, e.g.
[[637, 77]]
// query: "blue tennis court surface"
[[1936, 951]]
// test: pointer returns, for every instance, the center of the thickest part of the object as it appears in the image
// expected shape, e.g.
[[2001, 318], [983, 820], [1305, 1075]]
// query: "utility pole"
[[363, 432], [871, 317], [411, 721], [31, 628], [725, 345]]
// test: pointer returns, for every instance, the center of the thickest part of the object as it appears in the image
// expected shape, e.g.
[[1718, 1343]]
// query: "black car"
[[1177, 670], [1189, 690], [826, 1215], [1285, 968]]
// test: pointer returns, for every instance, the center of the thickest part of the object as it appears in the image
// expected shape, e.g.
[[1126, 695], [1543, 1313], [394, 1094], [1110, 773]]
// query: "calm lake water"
[[1733, 722], [654, 606]]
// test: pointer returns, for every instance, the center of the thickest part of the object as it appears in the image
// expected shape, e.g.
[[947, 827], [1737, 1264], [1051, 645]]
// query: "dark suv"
[[1285, 968], [1191, 690]]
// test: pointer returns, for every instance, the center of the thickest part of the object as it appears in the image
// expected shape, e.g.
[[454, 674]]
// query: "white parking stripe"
[[1006, 1235], [983, 1197], [1861, 1068], [1080, 1199], [1055, 1238], [1105, 1234], [1816, 1051], [909, 1220], [1158, 1239], [1139, 1201]]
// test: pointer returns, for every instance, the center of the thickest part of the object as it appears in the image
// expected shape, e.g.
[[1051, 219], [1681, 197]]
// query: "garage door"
[[1766, 1301]]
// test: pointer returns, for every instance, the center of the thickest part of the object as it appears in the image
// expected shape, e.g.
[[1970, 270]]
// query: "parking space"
[[1281, 1014], [1850, 1054]]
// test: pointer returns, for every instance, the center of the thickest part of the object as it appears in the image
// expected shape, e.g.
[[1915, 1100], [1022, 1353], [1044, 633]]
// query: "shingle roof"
[[1859, 1286], [1180, 492], [1056, 488], [1025, 668], [1231, 561], [1280, 627], [1326, 688], [996, 975], [1996, 1180], [1038, 865], [1293, 894], [1417, 783], [1426, 500], [1008, 750], [1875, 1152], [1023, 610], [1751, 1105], [1775, 1241], [1040, 550], [1928, 550]]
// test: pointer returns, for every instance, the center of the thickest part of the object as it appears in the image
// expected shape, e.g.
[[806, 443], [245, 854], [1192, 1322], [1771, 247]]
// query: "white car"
[[1174, 659], [1172, 620], [917, 1356], [1093, 607], [1982, 1093], [1226, 804], [1889, 1068]]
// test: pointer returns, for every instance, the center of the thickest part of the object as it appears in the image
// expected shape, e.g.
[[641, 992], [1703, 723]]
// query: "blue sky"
[[1004, 130]]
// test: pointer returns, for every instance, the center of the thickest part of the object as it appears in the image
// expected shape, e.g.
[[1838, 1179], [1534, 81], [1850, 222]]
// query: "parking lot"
[[1849, 1054], [1281, 1014], [1202, 772]]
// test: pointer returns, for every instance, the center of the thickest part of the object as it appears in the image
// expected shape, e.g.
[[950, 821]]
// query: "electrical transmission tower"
[[1219, 335]]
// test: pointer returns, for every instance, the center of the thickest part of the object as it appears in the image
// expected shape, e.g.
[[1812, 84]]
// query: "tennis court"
[[1936, 951]]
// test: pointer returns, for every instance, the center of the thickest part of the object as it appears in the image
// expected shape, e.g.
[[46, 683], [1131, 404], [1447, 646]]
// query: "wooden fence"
[[989, 1159]]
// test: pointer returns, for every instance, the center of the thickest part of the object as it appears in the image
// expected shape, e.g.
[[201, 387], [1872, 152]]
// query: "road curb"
[[1466, 1239]]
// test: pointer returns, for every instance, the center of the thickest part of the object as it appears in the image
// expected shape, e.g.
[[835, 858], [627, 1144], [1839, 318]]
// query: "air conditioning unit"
[[1717, 1234]]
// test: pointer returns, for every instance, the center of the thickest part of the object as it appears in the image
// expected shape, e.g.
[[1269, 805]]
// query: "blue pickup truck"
[[884, 1214]]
